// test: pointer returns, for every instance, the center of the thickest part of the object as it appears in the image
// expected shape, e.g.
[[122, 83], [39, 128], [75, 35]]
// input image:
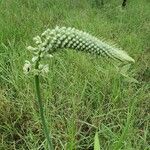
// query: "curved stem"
[[41, 111]]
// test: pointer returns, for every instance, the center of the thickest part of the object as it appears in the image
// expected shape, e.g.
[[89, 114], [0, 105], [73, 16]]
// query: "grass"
[[82, 94]]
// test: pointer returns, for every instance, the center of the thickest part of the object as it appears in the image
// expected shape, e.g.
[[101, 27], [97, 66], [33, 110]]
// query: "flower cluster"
[[62, 37], [42, 69], [38, 53], [51, 41]]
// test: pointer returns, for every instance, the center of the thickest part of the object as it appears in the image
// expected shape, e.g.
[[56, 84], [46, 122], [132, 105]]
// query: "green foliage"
[[96, 142], [97, 3]]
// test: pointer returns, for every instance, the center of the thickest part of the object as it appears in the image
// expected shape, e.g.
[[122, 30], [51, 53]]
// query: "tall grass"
[[84, 94]]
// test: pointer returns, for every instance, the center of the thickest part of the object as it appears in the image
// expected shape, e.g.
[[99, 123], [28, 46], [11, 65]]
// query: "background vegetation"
[[83, 93]]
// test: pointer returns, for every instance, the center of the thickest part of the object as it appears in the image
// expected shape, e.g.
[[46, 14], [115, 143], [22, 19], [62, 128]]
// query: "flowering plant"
[[59, 38]]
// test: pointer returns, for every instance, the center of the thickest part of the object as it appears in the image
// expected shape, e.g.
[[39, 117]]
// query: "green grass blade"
[[96, 142]]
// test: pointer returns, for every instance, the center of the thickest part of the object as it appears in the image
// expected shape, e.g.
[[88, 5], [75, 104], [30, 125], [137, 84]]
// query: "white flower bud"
[[48, 56], [45, 33], [41, 66], [42, 55], [37, 40], [44, 68], [30, 48], [35, 58]]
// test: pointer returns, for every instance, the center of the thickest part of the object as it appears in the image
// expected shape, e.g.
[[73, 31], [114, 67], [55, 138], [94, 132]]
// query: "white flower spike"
[[61, 37]]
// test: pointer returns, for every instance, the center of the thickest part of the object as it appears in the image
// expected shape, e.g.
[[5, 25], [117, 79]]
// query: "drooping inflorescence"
[[75, 39], [53, 40]]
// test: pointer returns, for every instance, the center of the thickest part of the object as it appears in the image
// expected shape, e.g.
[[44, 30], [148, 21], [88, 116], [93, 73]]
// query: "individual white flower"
[[57, 28], [41, 66], [45, 69], [42, 55], [35, 58], [45, 33], [30, 48], [37, 40], [27, 67], [48, 56], [35, 71]]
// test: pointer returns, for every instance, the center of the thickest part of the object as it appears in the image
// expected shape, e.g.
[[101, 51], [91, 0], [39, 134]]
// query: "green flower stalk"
[[59, 38]]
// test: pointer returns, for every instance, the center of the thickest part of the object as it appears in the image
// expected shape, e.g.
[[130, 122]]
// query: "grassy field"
[[82, 93]]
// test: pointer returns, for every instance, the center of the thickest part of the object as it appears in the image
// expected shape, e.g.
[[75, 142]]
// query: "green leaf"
[[96, 142], [125, 69], [131, 79]]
